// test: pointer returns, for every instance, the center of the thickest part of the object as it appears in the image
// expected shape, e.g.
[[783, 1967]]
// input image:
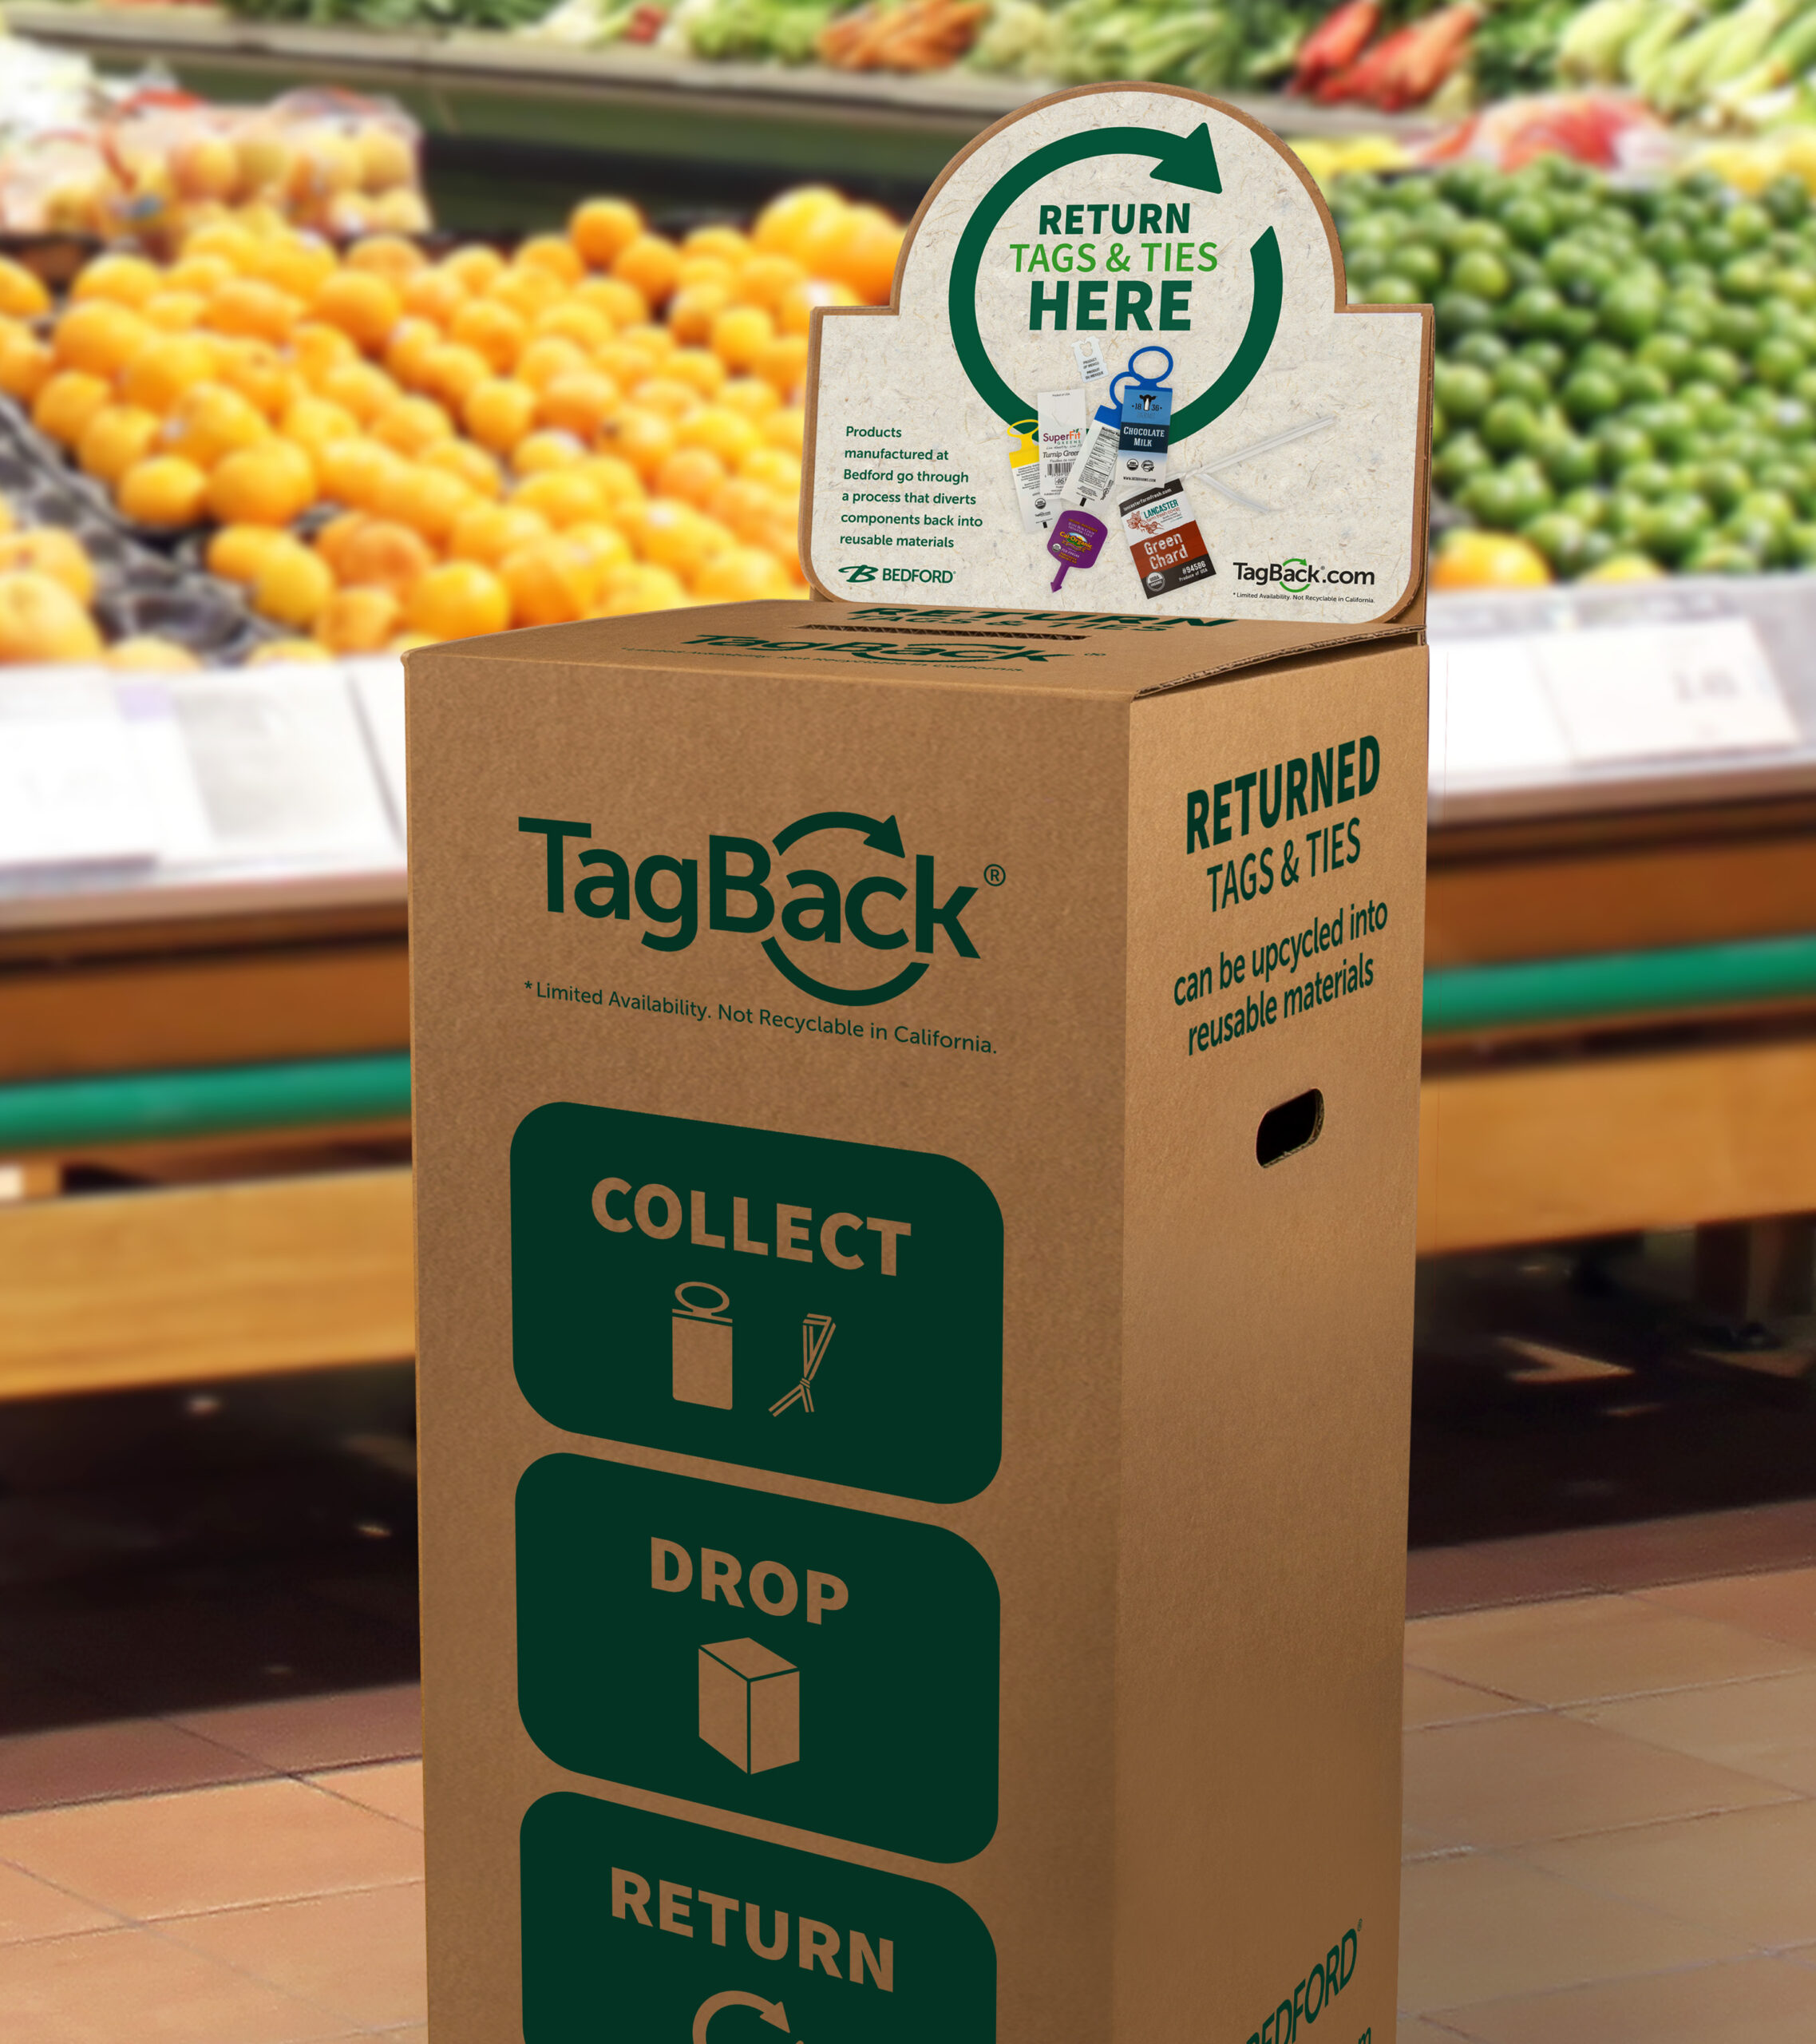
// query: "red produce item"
[[1362, 79], [1604, 129], [1335, 44], [1434, 51]]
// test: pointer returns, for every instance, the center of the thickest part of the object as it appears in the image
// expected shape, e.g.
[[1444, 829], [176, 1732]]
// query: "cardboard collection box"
[[914, 1364]]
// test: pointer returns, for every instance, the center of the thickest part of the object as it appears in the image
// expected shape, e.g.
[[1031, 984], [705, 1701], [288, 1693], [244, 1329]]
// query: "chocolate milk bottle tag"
[[1146, 419]]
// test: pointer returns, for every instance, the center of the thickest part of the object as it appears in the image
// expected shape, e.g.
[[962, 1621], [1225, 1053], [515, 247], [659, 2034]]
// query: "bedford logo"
[[741, 900], [860, 571], [1296, 576]]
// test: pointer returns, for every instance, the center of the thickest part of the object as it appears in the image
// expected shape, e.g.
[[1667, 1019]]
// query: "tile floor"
[[1610, 1835], [1610, 1815], [245, 1875]]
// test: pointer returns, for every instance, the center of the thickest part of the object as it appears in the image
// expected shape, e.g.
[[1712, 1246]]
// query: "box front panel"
[[768, 1071]]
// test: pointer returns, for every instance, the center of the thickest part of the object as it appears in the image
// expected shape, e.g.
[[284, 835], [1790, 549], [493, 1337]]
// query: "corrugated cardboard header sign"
[[1119, 373]]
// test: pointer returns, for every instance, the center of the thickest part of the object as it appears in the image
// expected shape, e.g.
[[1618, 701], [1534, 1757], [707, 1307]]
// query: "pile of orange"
[[605, 420], [47, 586], [47, 589]]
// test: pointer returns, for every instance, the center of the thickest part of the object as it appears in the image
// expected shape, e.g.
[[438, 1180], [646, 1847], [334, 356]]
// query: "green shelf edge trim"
[[164, 1105], [1703, 975], [143, 1107]]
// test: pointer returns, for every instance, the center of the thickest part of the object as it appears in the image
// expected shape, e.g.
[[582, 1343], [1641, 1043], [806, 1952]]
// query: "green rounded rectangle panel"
[[640, 1929], [832, 1670], [783, 1302]]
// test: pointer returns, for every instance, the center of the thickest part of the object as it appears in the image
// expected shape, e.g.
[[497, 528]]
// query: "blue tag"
[[1146, 415]]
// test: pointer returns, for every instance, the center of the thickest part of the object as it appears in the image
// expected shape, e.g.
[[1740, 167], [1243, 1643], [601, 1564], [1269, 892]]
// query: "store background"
[[563, 262]]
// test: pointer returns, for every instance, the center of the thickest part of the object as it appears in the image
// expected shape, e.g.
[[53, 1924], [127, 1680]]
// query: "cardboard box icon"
[[750, 1705]]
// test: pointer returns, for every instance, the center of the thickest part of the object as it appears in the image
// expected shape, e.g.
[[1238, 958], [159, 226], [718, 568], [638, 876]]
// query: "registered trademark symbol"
[[994, 875]]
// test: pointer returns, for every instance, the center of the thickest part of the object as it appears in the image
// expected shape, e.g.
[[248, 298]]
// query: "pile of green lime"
[[1620, 371]]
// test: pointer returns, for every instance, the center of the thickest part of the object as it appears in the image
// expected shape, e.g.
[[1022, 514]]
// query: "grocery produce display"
[[1684, 58], [1706, 65], [1735, 61], [255, 427], [150, 162], [379, 449], [1390, 52], [1626, 380], [394, 14], [75, 583]]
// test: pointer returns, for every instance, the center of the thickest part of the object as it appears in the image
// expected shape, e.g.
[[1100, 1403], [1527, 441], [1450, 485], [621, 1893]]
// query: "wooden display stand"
[[1547, 1132], [231, 1252]]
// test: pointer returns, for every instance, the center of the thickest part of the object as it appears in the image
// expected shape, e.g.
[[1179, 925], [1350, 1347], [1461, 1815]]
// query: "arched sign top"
[[1277, 472]]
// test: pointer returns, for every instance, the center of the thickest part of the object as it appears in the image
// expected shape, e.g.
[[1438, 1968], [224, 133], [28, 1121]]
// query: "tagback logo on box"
[[790, 910]]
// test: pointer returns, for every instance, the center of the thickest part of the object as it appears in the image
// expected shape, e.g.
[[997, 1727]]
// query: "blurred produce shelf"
[[642, 120], [1532, 993], [177, 1211], [204, 1078], [1620, 990], [204, 968]]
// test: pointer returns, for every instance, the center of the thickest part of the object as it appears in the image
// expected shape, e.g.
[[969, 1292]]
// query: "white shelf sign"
[[378, 689], [69, 786], [283, 764], [1491, 718], [1643, 691]]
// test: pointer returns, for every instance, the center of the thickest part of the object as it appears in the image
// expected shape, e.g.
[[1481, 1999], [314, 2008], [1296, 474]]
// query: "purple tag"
[[1075, 541]]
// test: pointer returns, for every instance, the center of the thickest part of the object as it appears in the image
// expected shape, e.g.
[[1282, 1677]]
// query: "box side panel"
[[1268, 1348], [976, 1116], [775, 1722]]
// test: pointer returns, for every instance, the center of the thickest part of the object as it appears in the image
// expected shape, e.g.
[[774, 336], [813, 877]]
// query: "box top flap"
[[1085, 653]]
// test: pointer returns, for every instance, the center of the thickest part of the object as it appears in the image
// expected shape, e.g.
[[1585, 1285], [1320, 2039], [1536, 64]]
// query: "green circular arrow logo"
[[884, 836], [1185, 160]]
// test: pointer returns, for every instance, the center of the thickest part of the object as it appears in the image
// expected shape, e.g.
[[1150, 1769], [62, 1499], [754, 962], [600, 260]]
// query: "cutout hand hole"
[[1294, 1124]]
